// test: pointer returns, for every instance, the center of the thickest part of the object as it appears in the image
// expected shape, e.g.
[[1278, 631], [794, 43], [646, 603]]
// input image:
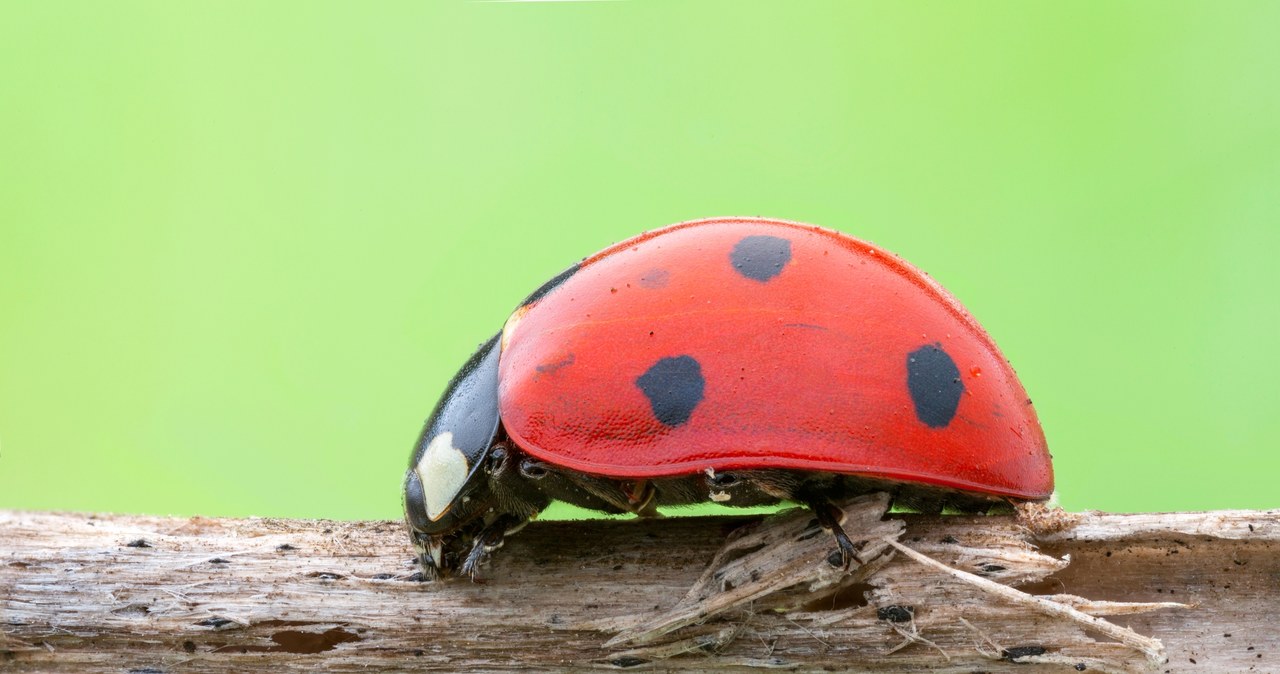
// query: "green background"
[[244, 245]]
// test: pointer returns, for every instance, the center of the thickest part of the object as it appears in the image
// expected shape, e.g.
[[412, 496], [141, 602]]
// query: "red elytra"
[[825, 354]]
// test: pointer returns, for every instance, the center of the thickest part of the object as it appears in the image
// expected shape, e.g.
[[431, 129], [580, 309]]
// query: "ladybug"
[[742, 361]]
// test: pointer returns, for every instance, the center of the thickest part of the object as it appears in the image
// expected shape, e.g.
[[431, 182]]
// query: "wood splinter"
[[776, 570]]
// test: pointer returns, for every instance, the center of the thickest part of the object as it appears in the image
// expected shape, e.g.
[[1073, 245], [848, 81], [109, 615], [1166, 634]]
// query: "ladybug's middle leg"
[[829, 517], [751, 487]]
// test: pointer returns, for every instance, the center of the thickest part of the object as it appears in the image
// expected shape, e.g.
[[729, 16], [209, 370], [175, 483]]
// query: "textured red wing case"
[[748, 343]]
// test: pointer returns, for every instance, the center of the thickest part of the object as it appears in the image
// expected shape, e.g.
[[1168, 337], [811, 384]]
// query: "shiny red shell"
[[805, 370]]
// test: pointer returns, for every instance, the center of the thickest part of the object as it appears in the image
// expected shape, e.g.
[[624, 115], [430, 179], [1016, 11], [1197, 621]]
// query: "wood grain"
[[118, 593]]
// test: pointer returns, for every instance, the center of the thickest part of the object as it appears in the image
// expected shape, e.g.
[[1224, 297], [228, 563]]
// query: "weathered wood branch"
[[947, 594]]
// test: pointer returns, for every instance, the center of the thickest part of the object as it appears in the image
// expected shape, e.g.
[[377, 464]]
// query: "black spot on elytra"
[[547, 287], [674, 388], [934, 382], [760, 257]]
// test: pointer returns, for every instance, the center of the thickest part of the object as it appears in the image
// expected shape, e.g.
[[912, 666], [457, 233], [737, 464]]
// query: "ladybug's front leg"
[[490, 539]]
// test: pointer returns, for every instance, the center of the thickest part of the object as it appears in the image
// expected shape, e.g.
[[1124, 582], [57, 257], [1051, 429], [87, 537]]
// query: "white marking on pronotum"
[[443, 470], [509, 327]]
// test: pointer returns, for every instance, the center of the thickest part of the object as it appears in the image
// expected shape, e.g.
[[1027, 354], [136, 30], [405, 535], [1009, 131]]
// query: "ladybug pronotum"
[[741, 361]]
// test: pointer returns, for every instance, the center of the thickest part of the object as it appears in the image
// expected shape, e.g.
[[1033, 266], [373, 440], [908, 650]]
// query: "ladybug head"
[[445, 489]]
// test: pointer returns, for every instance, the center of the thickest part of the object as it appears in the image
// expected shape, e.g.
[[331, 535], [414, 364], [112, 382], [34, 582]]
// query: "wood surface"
[[1044, 591]]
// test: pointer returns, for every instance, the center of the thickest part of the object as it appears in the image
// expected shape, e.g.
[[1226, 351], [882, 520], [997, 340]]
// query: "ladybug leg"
[[750, 488], [430, 552], [678, 491], [642, 498], [829, 517], [638, 497], [621, 496], [489, 540]]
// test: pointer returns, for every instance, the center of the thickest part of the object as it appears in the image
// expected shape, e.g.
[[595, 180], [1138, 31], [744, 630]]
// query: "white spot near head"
[[443, 470], [509, 328]]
